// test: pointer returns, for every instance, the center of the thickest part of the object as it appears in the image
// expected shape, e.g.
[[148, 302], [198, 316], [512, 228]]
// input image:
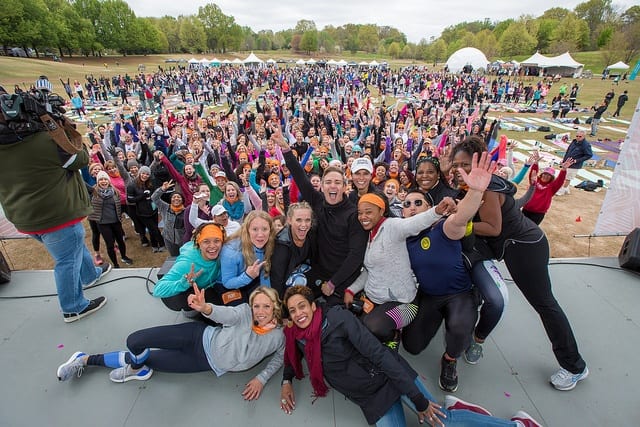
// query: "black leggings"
[[459, 312], [176, 348], [379, 323], [95, 235], [113, 233], [528, 265], [533, 216], [151, 223]]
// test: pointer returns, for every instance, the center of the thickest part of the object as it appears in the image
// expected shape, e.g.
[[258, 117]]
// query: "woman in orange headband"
[[386, 287], [197, 264]]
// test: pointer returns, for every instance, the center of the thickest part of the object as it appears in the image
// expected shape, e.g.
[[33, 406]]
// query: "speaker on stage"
[[629, 256]]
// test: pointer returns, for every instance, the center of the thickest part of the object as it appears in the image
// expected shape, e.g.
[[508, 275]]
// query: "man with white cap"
[[221, 217], [361, 174]]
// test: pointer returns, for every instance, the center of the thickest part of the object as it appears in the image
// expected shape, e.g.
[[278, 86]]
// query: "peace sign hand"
[[196, 300]]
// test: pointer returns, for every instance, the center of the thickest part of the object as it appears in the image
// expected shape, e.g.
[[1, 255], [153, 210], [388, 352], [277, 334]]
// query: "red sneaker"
[[452, 403], [525, 419]]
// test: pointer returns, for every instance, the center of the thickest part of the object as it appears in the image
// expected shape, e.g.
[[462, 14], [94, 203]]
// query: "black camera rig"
[[20, 113]]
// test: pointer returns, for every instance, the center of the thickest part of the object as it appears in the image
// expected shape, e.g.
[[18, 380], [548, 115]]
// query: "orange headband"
[[374, 199], [210, 231]]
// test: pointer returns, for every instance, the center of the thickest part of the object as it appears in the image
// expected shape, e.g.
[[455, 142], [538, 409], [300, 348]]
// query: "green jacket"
[[40, 185]]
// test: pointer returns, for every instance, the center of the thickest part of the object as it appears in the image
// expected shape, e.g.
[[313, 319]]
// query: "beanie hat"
[[101, 175], [145, 169], [131, 163], [92, 166], [507, 172]]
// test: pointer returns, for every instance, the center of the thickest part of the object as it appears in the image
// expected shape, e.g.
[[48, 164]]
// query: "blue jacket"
[[579, 151], [233, 269]]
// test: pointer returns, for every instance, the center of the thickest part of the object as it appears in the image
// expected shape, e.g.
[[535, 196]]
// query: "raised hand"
[[167, 185], [567, 163], [253, 270], [196, 300], [480, 176]]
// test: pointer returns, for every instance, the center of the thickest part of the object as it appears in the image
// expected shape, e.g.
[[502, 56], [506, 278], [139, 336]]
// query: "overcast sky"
[[417, 19]]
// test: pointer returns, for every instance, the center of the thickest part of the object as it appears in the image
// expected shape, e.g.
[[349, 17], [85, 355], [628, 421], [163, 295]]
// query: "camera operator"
[[43, 194]]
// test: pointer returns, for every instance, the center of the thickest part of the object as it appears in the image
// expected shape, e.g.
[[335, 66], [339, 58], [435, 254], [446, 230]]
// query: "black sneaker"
[[94, 305], [448, 375], [127, 260]]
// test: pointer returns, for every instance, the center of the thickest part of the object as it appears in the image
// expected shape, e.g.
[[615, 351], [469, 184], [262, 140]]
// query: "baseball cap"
[[220, 174], [218, 210], [363, 163], [551, 171]]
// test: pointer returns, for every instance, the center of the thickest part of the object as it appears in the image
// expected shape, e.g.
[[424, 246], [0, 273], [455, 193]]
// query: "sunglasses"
[[417, 203]]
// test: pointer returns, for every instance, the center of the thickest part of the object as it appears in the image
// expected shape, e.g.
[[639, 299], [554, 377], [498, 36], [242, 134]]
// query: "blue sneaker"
[[72, 367], [127, 373], [565, 380]]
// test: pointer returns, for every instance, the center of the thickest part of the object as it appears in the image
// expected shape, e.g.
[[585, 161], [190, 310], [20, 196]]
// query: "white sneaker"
[[565, 380]]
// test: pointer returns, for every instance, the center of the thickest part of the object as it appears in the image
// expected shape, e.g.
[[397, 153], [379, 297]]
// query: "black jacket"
[[287, 257], [357, 365], [341, 240]]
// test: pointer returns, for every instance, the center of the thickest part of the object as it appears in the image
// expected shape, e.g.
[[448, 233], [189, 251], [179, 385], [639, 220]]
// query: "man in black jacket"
[[622, 99], [580, 151]]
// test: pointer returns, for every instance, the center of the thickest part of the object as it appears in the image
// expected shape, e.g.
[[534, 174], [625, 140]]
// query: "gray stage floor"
[[601, 301]]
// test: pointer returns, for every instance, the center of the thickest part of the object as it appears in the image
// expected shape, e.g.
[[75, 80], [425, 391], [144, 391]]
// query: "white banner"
[[620, 211]]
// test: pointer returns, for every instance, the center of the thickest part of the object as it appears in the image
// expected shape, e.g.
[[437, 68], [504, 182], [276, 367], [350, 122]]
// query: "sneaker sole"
[[454, 401], [85, 314], [104, 273], [573, 385], [470, 362], [450, 390], [73, 357], [134, 377]]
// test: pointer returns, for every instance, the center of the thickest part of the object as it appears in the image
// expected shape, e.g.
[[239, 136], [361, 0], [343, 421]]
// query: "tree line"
[[92, 27]]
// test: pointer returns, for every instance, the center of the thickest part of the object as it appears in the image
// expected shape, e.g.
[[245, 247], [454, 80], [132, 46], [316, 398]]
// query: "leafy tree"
[[326, 43], [515, 40], [394, 50], [222, 32], [192, 34], [439, 50], [546, 27], [368, 37], [501, 26], [557, 13], [595, 13], [408, 51], [304, 25], [309, 41], [390, 34], [486, 41], [169, 27], [116, 18]]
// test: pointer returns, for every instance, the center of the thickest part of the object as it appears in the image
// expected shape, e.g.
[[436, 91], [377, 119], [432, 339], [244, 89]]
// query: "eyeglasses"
[[417, 203], [579, 136]]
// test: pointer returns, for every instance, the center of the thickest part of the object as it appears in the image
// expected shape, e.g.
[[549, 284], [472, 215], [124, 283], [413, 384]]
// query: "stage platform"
[[601, 301]]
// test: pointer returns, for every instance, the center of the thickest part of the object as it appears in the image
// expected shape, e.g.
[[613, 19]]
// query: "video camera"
[[20, 113]]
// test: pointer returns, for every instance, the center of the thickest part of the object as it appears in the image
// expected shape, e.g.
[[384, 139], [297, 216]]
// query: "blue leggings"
[[489, 281], [458, 418]]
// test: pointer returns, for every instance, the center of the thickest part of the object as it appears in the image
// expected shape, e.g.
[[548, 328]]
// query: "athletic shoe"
[[127, 373], [161, 249], [565, 380], [127, 260], [448, 375], [525, 420], [473, 353], [72, 367], [106, 268], [97, 259], [453, 403], [156, 250], [94, 305]]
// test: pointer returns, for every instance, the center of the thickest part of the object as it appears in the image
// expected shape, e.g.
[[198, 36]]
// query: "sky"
[[416, 19]]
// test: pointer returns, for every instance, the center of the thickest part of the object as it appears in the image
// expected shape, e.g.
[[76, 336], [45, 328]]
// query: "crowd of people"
[[304, 202]]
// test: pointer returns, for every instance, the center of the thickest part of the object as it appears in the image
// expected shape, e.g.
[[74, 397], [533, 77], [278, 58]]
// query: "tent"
[[215, 62], [618, 66], [236, 61], [226, 62], [300, 62], [311, 61], [341, 63], [363, 64], [467, 56], [374, 63], [563, 65], [194, 61], [271, 61], [252, 59]]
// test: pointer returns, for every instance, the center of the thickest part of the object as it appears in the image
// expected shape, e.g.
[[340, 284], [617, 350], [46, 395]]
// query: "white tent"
[[374, 63], [342, 63], [252, 59], [331, 62], [271, 61], [311, 61], [236, 61], [618, 66], [215, 61], [226, 62], [563, 65], [363, 64], [300, 62], [467, 56], [194, 61]]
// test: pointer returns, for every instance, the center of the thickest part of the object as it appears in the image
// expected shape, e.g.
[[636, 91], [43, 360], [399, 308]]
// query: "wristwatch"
[[285, 382]]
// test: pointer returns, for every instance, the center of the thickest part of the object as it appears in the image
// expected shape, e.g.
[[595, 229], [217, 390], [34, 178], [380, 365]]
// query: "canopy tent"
[[252, 59], [618, 66], [271, 61], [194, 61], [563, 65], [332, 62], [300, 62], [236, 61], [205, 62], [215, 62], [226, 62], [467, 56], [342, 63], [363, 64], [374, 63], [311, 61]]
